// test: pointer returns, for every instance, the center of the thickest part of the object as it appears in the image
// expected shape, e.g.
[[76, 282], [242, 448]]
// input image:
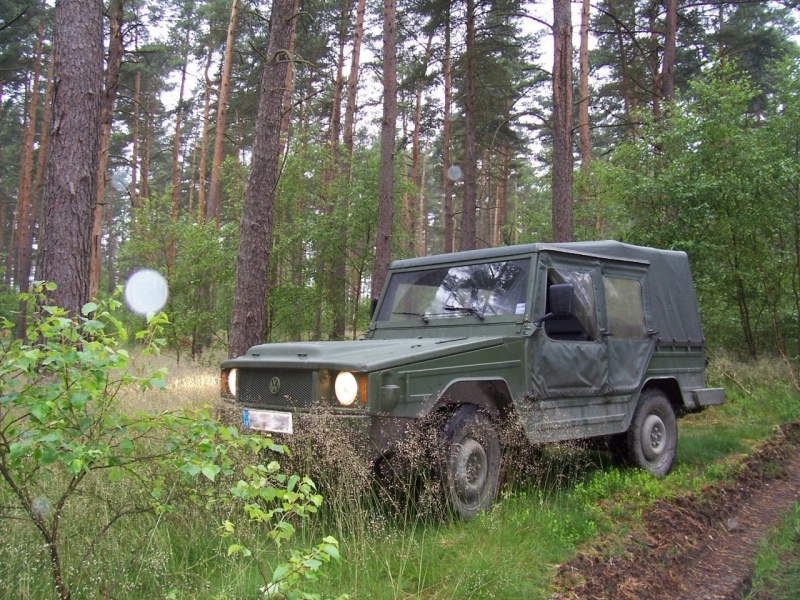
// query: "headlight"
[[346, 388], [233, 381]]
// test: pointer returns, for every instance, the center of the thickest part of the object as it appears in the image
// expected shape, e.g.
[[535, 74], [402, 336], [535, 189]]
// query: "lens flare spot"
[[146, 292]]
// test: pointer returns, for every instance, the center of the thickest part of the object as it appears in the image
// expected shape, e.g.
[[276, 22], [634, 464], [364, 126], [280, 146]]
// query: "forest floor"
[[699, 546]]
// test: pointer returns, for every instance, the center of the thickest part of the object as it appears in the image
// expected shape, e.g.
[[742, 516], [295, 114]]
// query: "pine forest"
[[271, 159]]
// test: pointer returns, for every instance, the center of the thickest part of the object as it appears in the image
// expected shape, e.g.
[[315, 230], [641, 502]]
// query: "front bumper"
[[370, 436]]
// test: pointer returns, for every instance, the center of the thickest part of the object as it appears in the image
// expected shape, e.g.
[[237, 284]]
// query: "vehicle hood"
[[362, 355]]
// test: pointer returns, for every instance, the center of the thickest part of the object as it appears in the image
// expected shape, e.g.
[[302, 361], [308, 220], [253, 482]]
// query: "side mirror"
[[560, 299], [560, 295]]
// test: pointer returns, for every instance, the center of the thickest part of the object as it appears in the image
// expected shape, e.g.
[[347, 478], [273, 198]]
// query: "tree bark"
[[468, 225], [289, 83], [201, 175], [137, 97], [212, 202], [176, 152], [147, 143], [623, 67], [115, 11], [352, 87], [383, 250], [71, 187], [562, 121], [337, 272], [255, 231], [653, 64], [670, 50], [585, 140], [25, 214], [447, 183], [415, 151], [422, 217]]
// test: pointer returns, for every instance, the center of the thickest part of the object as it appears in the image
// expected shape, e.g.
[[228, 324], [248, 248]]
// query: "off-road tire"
[[470, 456], [652, 439]]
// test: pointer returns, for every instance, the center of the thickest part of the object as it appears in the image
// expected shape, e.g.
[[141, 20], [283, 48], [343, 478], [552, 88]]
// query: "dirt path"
[[698, 546]]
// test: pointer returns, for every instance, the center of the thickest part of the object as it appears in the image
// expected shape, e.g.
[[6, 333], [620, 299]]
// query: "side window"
[[624, 308], [581, 326]]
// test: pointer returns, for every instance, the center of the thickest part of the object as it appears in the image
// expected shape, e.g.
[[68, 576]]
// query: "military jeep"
[[576, 340]]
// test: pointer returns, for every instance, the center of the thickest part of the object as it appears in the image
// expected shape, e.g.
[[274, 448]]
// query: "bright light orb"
[[146, 292]]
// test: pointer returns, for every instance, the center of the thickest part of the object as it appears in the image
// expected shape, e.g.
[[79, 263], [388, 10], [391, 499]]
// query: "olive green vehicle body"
[[640, 329]]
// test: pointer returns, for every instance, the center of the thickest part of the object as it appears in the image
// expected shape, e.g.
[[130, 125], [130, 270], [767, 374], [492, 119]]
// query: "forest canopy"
[[363, 132]]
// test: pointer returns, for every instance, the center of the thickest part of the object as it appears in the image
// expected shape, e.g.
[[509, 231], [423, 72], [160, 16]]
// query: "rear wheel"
[[652, 439], [471, 456]]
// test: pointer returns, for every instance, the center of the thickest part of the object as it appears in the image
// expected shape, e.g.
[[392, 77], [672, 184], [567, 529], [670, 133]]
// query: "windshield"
[[467, 291]]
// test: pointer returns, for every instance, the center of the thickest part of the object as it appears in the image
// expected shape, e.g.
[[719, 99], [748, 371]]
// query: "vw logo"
[[275, 386]]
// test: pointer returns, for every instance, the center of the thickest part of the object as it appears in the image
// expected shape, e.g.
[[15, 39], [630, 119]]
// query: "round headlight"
[[346, 388], [233, 381]]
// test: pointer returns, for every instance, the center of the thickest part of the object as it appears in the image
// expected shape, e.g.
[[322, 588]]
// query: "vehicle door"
[[568, 354], [628, 328]]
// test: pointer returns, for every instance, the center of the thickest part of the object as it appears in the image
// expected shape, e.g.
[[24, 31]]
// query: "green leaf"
[[210, 471], [238, 548], [88, 308]]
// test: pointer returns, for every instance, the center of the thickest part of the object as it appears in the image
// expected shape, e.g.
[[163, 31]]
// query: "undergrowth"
[[395, 541]]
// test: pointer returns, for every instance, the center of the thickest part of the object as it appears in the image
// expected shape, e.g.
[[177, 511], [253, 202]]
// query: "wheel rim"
[[471, 471], [654, 437]]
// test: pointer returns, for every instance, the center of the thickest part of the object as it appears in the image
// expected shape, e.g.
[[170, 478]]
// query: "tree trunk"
[[176, 153], [212, 202], [25, 215], [585, 140], [383, 250], [653, 64], [670, 37], [137, 97], [467, 241], [337, 272], [70, 191], [623, 67], [201, 175], [352, 87], [562, 122], [338, 85], [447, 183], [289, 83], [113, 67], [255, 233], [144, 171], [502, 194], [422, 217], [415, 149]]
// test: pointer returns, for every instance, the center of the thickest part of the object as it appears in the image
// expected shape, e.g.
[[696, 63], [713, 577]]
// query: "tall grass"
[[396, 542], [777, 563]]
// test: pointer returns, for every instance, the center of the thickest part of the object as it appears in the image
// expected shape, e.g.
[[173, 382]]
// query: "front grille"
[[295, 389]]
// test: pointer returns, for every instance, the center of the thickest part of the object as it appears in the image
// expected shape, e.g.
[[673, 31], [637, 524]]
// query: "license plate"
[[267, 420]]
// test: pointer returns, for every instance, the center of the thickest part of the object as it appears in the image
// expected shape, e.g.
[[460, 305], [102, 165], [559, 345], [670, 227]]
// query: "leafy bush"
[[65, 442]]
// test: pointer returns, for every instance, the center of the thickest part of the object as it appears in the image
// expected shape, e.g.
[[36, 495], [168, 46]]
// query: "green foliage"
[[720, 182], [201, 283], [65, 443], [200, 276]]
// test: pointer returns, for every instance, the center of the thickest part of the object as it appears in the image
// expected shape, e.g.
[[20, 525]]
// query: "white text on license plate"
[[267, 420]]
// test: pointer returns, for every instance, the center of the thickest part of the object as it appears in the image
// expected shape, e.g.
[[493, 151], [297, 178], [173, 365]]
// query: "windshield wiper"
[[422, 316], [464, 309]]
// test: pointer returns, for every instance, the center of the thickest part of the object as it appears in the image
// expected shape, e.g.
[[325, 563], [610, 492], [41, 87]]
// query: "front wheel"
[[652, 439], [471, 456]]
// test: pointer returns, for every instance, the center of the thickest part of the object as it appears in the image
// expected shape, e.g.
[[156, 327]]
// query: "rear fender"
[[672, 389]]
